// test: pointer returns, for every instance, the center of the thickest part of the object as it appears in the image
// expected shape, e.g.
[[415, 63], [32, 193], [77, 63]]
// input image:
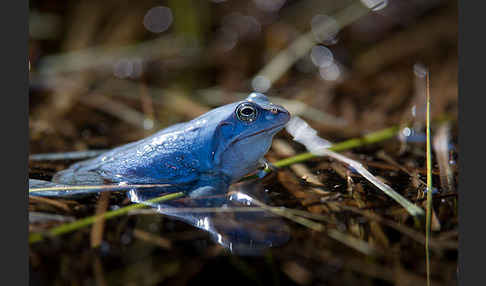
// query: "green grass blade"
[[429, 186], [72, 226], [370, 138]]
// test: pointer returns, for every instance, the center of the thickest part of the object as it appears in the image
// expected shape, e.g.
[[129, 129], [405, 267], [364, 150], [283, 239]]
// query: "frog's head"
[[244, 134]]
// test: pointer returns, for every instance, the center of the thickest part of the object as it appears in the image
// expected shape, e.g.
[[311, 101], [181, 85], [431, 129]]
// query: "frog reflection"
[[235, 222]]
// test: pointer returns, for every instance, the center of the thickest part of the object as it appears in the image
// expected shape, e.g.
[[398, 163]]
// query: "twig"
[[75, 155], [155, 239], [36, 217], [52, 202], [95, 187], [105, 56], [116, 109], [441, 148], [98, 226]]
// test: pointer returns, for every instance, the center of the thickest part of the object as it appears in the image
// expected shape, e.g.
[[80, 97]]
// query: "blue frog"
[[201, 157]]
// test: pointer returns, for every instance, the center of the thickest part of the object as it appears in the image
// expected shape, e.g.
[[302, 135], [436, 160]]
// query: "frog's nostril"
[[275, 109]]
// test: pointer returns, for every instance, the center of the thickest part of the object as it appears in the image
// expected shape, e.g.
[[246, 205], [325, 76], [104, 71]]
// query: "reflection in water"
[[247, 231], [234, 220]]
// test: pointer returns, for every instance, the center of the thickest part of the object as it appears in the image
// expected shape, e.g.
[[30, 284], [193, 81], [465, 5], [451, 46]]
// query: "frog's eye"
[[246, 112]]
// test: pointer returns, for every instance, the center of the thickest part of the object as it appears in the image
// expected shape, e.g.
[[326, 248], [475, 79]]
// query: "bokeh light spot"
[[321, 56], [125, 68], [227, 39], [330, 73], [158, 19]]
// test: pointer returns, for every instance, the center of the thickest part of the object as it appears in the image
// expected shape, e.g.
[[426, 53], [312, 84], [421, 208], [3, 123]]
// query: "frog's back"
[[168, 156]]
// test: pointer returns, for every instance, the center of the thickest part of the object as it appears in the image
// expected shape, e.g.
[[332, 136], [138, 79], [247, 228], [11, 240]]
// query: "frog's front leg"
[[210, 190]]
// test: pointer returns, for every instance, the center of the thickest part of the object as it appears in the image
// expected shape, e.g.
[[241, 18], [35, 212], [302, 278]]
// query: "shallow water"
[[234, 221]]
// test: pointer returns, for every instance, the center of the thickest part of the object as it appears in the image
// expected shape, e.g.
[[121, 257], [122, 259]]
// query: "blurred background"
[[105, 73]]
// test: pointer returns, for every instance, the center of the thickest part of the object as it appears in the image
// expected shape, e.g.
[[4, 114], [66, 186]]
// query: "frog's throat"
[[216, 155]]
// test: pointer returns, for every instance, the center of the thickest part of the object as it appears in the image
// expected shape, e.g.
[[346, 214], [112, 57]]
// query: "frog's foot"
[[74, 176], [266, 168]]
